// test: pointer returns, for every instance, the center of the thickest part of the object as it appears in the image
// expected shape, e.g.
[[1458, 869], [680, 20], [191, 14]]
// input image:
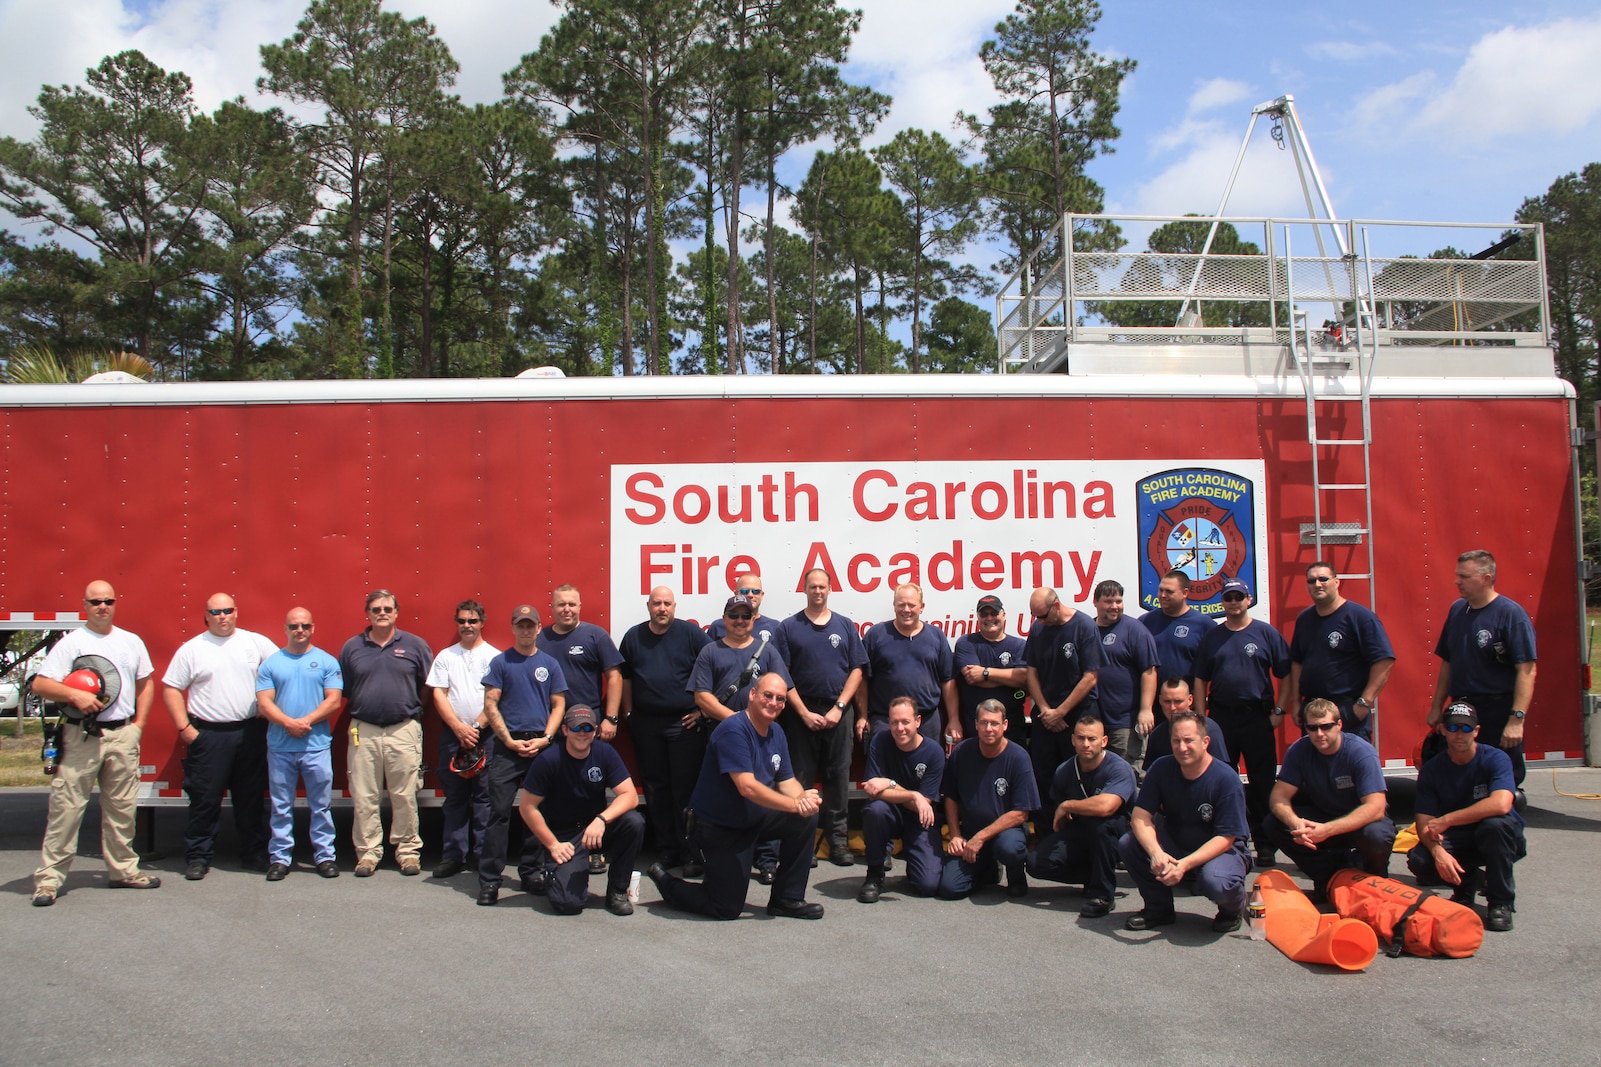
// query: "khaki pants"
[[112, 760], [387, 757]]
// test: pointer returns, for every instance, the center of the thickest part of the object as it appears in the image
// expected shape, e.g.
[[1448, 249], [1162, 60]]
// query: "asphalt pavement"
[[398, 970]]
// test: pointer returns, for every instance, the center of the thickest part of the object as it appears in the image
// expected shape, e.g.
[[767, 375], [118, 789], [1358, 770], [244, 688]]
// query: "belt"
[[525, 735], [113, 724], [221, 727]]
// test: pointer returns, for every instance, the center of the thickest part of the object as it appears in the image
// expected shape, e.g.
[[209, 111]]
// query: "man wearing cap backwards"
[[826, 658], [104, 750], [907, 657], [989, 663], [658, 656], [564, 804], [385, 669], [1465, 819], [299, 689], [1330, 802], [1486, 652], [1177, 629], [210, 692], [1339, 652], [1202, 832], [589, 660], [1234, 671], [1125, 687], [525, 693], [747, 793], [457, 680]]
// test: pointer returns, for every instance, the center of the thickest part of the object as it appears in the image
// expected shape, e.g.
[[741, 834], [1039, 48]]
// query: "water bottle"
[[1256, 914], [50, 751]]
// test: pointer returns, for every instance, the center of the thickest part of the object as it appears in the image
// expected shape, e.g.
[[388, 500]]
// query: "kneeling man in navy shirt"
[[747, 793]]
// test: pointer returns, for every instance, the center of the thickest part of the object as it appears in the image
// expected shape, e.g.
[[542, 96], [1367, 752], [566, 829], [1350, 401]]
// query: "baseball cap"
[[738, 602], [525, 611], [991, 602], [1234, 585], [1459, 713], [578, 715]]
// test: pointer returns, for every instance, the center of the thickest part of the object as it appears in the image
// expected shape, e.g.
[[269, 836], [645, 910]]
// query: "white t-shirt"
[[460, 672], [119, 646], [220, 674]]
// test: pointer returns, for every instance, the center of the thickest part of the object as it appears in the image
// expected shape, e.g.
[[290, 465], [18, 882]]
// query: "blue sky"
[[1433, 111]]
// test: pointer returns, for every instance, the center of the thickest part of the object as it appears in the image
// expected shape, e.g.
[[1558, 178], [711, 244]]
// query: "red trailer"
[[313, 493]]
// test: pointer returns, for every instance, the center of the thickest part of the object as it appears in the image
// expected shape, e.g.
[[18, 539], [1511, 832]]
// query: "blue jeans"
[[284, 770], [1009, 848]]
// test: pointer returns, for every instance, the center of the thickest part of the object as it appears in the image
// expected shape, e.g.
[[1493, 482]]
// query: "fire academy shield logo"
[[1200, 521]]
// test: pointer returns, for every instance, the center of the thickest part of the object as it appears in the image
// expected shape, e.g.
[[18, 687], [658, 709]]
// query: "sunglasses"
[[1319, 580], [1321, 727], [219, 611], [381, 611], [297, 626], [750, 592], [468, 622], [1459, 728], [100, 602], [581, 728], [1233, 596], [742, 617]]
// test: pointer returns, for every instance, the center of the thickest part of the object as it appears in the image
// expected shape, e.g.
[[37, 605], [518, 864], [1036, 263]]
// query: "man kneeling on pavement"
[[1466, 820], [1096, 788], [564, 805], [1330, 802]]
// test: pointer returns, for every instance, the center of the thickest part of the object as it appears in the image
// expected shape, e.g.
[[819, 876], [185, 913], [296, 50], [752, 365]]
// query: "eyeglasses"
[[1459, 728], [469, 622], [741, 617], [1233, 596], [219, 611], [1319, 579], [381, 611], [297, 626], [100, 602], [1321, 727], [581, 728]]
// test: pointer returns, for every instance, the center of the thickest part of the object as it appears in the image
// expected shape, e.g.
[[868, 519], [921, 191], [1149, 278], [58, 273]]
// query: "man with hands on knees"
[[988, 792], [564, 804]]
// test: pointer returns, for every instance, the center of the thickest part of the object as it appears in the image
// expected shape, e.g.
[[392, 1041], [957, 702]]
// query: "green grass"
[[19, 756]]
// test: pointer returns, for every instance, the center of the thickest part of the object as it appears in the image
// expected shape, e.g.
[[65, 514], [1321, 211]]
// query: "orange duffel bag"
[[1407, 919]]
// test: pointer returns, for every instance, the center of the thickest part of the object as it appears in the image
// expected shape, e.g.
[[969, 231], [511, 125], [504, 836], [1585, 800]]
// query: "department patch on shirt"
[[1181, 630], [1109, 639], [920, 770], [1068, 651], [1484, 638], [1000, 787], [1005, 658], [575, 650], [1481, 791], [1344, 781], [542, 674], [834, 640], [775, 760], [593, 774], [1335, 639], [1205, 811], [1252, 648], [400, 653]]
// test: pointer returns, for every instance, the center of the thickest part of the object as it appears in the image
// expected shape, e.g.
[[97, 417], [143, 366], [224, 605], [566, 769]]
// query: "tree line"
[[619, 210]]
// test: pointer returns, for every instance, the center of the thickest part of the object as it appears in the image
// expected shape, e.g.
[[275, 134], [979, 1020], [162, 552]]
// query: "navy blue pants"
[[505, 775], [1494, 844], [1248, 733], [883, 822], [1221, 879], [466, 804], [669, 759], [569, 882], [1008, 849], [728, 851], [1084, 850], [232, 761], [1371, 846]]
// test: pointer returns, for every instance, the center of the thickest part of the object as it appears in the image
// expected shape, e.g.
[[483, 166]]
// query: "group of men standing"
[[1137, 728]]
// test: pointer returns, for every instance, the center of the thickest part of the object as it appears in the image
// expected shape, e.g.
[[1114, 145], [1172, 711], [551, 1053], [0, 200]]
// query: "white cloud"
[[1350, 51], [1266, 184], [1216, 93]]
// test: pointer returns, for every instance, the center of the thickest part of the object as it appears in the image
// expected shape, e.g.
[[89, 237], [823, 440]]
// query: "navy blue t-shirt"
[[658, 666], [1127, 652], [574, 790], [1062, 655], [1194, 812], [718, 667], [1334, 784], [1337, 650], [1485, 645], [901, 666], [1114, 775], [383, 684], [920, 770], [1176, 641], [526, 685], [770, 625], [736, 747], [585, 653], [820, 658], [1445, 786], [985, 789], [1240, 665], [1005, 654]]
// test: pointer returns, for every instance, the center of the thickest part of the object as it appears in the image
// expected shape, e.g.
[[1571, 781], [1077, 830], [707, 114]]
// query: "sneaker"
[[1147, 919], [277, 871], [617, 902], [196, 870], [366, 867], [1499, 920], [328, 869], [138, 881], [44, 896], [1095, 908], [1226, 922]]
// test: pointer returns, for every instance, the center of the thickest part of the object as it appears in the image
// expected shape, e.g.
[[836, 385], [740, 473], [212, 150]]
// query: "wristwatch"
[[614, 719], [1519, 714], [986, 674], [840, 704]]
